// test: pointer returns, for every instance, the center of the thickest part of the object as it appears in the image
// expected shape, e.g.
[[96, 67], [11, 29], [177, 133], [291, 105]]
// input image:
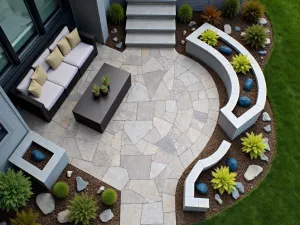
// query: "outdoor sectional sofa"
[[60, 82]]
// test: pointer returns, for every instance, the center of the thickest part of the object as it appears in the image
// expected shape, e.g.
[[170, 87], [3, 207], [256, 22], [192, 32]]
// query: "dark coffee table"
[[96, 113]]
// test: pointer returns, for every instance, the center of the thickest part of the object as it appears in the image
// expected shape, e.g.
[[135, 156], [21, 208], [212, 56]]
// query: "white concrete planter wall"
[[233, 126]]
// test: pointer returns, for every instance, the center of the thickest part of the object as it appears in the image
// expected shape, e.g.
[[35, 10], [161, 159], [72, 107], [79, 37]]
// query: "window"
[[3, 60], [16, 22], [3, 132], [46, 8]]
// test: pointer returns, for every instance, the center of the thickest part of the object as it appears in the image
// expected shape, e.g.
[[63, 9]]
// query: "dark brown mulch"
[[35, 146], [121, 34], [61, 204]]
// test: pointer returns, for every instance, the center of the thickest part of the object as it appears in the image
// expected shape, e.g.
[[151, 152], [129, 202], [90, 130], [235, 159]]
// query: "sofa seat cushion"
[[63, 75], [65, 31], [79, 54], [24, 84], [50, 94]]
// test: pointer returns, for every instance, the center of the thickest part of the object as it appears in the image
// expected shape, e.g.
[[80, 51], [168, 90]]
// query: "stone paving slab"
[[162, 125]]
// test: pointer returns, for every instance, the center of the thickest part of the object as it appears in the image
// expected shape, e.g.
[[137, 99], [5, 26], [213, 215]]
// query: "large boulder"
[[252, 172], [248, 84], [225, 50], [46, 203], [37, 156], [244, 101]]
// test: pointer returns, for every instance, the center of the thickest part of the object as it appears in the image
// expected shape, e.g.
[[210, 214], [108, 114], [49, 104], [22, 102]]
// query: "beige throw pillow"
[[73, 38], [55, 59], [64, 46], [39, 75], [35, 88]]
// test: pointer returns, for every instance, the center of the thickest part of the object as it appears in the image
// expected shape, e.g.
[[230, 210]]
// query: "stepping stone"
[[252, 172], [81, 184], [218, 199], [268, 128], [46, 203], [240, 187], [63, 216], [235, 194], [266, 117], [106, 216]]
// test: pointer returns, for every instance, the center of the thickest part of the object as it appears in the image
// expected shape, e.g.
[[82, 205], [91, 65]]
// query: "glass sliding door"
[[16, 22], [46, 8]]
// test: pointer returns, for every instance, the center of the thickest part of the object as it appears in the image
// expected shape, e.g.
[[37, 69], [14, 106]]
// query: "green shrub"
[[61, 189], [255, 36], [185, 13], [109, 196], [241, 64], [252, 10], [209, 37], [116, 13], [231, 8], [223, 180], [253, 144], [82, 209], [15, 190], [25, 218]]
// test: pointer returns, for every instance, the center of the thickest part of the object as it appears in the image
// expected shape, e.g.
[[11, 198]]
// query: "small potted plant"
[[96, 91], [105, 81], [104, 89]]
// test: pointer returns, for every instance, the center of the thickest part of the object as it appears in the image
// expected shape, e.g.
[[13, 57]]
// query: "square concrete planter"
[[50, 173]]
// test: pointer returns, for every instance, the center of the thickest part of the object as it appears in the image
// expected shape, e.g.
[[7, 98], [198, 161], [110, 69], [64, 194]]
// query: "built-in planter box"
[[232, 125], [54, 167]]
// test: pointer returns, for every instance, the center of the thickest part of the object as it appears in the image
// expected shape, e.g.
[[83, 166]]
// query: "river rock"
[[192, 23], [202, 188], [227, 29], [237, 29], [248, 84], [232, 163], [244, 101], [266, 117], [268, 41], [262, 21], [119, 45], [262, 52], [3, 223], [268, 128], [243, 34], [106, 216], [69, 173], [182, 42], [267, 30], [265, 158], [63, 216], [37, 156], [218, 199], [193, 29], [225, 50], [100, 190], [46, 203], [114, 31], [115, 39], [252, 172], [266, 142], [240, 187], [184, 32], [81, 184], [235, 194]]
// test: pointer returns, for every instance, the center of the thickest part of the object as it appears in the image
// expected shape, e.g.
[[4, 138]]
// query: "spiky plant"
[[185, 13], [15, 190], [116, 13], [231, 8], [223, 180], [82, 209], [255, 36], [241, 64], [211, 15], [253, 144], [252, 10], [25, 218], [209, 37]]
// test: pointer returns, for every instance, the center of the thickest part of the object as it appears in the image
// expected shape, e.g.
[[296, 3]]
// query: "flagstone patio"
[[162, 125]]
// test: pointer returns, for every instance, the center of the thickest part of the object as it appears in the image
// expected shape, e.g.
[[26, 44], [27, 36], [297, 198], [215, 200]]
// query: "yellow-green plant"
[[241, 64], [82, 209], [223, 180], [253, 144], [25, 218], [209, 37]]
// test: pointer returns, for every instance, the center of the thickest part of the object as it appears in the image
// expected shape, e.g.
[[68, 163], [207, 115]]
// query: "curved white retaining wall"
[[190, 203], [232, 125]]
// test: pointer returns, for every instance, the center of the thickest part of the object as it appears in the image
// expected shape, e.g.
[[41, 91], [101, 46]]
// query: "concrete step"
[[151, 25], [171, 2], [150, 39], [149, 10]]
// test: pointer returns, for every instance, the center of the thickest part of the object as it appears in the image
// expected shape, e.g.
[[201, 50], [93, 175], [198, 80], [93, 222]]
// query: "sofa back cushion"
[[35, 88], [64, 46], [23, 86], [42, 61], [39, 75], [55, 59], [65, 31], [73, 38]]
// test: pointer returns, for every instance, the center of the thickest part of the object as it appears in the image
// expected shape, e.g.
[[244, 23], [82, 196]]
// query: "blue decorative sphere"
[[248, 84], [37, 156], [202, 188], [232, 163], [225, 50], [244, 101]]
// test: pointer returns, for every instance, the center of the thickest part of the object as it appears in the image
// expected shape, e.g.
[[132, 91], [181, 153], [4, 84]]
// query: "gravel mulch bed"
[[35, 146], [121, 34], [218, 136], [61, 204]]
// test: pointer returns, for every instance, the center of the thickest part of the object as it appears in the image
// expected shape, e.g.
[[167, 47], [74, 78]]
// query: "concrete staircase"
[[151, 23]]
